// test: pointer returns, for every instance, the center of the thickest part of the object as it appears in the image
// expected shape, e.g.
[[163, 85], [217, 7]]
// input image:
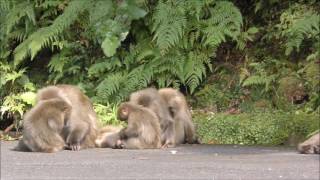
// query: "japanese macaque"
[[143, 130], [311, 145], [43, 126], [178, 107], [79, 128], [108, 137], [151, 99]]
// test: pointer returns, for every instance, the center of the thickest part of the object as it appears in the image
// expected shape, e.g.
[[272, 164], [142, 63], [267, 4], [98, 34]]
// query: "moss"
[[267, 128]]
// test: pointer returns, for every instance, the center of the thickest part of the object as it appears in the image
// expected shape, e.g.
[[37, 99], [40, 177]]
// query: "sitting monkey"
[[143, 130], [62, 116]]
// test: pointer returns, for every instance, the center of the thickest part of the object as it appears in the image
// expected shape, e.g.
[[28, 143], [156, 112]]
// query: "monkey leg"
[[168, 136], [22, 147], [76, 135], [189, 132]]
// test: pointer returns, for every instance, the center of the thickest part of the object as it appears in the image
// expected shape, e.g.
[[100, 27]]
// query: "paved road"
[[212, 162]]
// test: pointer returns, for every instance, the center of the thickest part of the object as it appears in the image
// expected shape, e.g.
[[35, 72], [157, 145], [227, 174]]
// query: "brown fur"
[[151, 99], [108, 137], [177, 104], [43, 126], [80, 129], [143, 130], [311, 145]]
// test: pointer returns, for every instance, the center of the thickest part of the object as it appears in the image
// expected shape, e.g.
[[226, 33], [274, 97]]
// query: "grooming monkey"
[[151, 99], [79, 129], [143, 130], [311, 145], [178, 107], [43, 126]]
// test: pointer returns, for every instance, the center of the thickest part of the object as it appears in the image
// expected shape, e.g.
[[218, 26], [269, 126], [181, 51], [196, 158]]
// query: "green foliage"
[[260, 77], [49, 34], [169, 23], [265, 128], [299, 23], [226, 55], [16, 91], [214, 96], [225, 21], [180, 53], [44, 37], [106, 114]]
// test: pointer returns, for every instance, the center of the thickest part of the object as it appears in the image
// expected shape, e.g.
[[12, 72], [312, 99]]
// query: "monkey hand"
[[119, 144], [74, 147], [168, 145]]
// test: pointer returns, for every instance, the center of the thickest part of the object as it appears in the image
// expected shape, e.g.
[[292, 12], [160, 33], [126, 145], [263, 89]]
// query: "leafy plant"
[[267, 128], [106, 114]]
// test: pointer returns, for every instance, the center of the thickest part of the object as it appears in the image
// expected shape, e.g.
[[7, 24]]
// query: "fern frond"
[[46, 35], [307, 27], [169, 24], [106, 65], [254, 80], [19, 11], [110, 87], [5, 5], [225, 21]]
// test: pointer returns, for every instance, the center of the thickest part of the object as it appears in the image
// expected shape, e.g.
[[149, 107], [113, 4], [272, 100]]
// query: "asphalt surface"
[[212, 162]]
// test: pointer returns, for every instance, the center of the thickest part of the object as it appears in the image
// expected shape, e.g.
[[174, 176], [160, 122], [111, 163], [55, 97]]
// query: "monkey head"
[[123, 111]]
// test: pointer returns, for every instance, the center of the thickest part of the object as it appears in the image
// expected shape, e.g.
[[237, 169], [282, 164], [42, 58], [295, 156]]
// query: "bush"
[[263, 128]]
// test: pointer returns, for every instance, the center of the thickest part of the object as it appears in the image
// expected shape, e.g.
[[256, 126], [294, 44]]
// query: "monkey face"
[[123, 112]]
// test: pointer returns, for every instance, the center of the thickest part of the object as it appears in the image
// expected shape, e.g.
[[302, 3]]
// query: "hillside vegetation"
[[257, 59]]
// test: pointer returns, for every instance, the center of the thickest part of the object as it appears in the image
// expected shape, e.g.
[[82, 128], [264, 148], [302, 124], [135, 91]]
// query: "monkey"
[[80, 128], [143, 130], [108, 137], [151, 99], [43, 125], [311, 145], [178, 108]]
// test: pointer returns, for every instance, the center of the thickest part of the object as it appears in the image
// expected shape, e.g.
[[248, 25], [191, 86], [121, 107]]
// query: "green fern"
[[169, 23], [19, 11], [45, 36], [225, 21], [103, 66], [307, 27], [109, 88], [254, 80], [261, 76]]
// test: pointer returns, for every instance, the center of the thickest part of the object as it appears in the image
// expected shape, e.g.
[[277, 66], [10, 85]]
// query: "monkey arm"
[[78, 131], [168, 135], [189, 132], [128, 132]]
